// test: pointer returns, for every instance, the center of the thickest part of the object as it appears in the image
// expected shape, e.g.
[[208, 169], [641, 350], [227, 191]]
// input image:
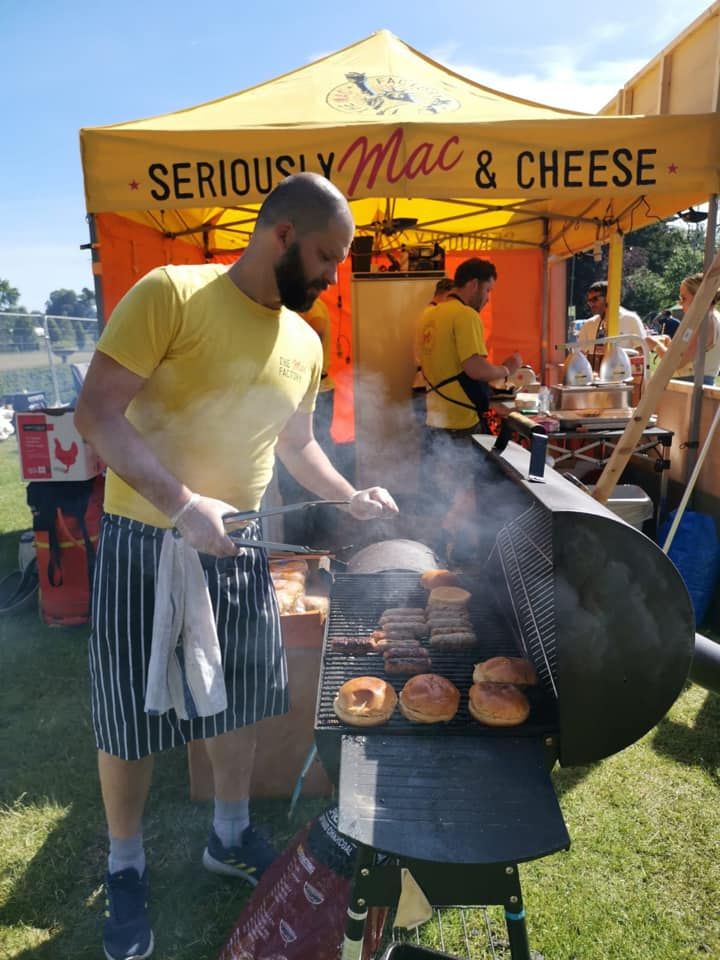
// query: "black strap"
[[71, 498], [475, 390]]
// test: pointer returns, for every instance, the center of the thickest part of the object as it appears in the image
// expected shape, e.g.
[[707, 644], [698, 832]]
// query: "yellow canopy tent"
[[423, 154], [476, 169]]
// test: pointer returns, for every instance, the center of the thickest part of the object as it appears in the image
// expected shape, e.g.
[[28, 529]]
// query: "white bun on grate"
[[429, 698], [498, 704], [438, 578], [448, 597], [365, 701], [515, 670]]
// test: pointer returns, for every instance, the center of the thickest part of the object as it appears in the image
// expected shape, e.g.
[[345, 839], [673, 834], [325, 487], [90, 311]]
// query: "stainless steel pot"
[[604, 396]]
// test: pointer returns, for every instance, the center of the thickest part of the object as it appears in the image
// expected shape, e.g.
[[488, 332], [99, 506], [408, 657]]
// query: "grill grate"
[[524, 550], [356, 603]]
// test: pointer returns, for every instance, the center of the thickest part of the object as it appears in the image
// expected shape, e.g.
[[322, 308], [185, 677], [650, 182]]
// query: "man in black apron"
[[457, 370]]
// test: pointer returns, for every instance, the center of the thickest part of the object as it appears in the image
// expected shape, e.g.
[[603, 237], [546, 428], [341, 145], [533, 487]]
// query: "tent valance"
[[402, 136]]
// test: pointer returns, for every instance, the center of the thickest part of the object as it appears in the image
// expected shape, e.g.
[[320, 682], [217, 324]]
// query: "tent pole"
[[97, 271], [693, 438], [615, 266], [545, 322]]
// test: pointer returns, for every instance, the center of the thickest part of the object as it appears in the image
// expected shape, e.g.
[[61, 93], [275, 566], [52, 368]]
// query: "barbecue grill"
[[608, 624]]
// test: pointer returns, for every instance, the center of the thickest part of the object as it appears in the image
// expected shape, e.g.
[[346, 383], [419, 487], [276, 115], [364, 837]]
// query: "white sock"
[[232, 818], [127, 853]]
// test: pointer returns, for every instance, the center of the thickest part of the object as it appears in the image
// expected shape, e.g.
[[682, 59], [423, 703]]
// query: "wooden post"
[[659, 380]]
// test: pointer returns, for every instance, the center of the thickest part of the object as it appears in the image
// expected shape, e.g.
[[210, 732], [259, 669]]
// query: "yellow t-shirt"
[[419, 382], [318, 316], [223, 376], [452, 333]]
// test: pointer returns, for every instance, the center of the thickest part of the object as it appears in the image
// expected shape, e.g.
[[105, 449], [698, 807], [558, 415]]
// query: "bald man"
[[201, 377]]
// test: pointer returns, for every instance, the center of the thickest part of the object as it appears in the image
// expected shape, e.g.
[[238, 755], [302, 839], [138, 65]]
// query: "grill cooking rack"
[[356, 604], [524, 552]]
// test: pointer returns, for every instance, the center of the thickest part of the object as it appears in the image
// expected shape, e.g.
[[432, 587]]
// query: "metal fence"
[[43, 358]]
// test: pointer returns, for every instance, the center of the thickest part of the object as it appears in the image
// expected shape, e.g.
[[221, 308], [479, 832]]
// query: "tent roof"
[[328, 92], [402, 136]]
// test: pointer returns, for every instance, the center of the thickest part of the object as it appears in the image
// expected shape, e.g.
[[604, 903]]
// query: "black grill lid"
[[623, 636]]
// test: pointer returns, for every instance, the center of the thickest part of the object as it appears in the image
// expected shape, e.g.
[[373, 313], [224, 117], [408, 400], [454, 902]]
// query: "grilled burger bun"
[[515, 670], [438, 578], [498, 704], [429, 698], [365, 701], [448, 597]]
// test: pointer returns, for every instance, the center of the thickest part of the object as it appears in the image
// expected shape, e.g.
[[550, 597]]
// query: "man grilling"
[[457, 370]]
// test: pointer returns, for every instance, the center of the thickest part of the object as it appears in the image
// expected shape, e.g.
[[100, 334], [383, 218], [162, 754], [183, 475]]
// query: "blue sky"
[[73, 64]]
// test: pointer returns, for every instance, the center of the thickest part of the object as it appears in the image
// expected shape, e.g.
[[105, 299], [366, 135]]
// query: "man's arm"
[[100, 417], [480, 368], [308, 464]]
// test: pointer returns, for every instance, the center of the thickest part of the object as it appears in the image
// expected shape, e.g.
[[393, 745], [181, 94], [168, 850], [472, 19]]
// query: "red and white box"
[[52, 449]]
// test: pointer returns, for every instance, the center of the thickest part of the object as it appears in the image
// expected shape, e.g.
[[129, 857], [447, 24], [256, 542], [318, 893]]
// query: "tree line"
[[655, 260], [66, 310]]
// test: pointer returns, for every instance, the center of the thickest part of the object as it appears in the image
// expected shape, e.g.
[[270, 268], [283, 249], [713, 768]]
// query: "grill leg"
[[357, 910], [515, 920]]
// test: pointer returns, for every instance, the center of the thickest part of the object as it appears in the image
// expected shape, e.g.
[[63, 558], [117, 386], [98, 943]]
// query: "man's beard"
[[296, 293]]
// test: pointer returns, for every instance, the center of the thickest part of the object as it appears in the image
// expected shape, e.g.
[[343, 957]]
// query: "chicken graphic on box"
[[66, 457], [52, 449]]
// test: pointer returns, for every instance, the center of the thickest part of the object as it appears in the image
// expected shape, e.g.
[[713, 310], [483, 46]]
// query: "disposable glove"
[[200, 523], [372, 503]]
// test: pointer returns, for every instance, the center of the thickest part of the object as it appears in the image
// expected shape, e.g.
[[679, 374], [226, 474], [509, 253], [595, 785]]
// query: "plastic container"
[[578, 372], [630, 503]]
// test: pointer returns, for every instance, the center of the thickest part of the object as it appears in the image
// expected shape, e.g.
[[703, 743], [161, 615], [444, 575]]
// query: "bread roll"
[[429, 698], [438, 578], [365, 701], [448, 597], [515, 670], [498, 704]]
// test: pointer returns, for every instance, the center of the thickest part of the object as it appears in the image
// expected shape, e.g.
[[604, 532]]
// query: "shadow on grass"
[[697, 746], [565, 779], [48, 764]]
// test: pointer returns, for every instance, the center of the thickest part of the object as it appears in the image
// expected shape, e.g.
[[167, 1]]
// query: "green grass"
[[640, 882]]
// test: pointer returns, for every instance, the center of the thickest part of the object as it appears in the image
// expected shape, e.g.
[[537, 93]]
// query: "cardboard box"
[[283, 743], [51, 448]]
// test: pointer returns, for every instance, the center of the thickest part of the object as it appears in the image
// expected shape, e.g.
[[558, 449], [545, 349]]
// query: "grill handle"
[[515, 422]]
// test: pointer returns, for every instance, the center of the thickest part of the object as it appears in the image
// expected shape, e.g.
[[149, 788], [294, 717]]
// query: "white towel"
[[185, 671]]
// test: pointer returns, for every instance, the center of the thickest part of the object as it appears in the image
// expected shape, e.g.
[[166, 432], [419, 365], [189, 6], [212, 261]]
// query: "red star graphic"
[[134, 185], [673, 168]]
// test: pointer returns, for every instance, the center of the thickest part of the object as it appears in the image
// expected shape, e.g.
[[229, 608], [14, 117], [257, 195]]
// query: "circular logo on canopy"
[[388, 95]]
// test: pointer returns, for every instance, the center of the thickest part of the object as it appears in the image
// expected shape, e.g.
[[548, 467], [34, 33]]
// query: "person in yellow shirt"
[[202, 376], [456, 368], [419, 384]]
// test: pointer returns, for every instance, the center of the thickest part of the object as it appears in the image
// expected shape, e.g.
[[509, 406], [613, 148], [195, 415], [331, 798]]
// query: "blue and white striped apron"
[[248, 627]]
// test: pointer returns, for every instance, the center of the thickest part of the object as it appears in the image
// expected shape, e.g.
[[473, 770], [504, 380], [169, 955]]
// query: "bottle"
[[615, 366], [578, 372], [543, 400]]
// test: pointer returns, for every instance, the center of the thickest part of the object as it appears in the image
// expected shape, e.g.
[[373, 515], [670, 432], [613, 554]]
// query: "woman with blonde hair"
[[686, 370]]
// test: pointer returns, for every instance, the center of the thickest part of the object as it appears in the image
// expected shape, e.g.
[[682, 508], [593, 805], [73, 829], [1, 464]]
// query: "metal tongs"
[[236, 522]]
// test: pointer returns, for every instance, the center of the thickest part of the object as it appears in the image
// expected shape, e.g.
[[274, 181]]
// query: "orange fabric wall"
[[512, 318], [129, 250]]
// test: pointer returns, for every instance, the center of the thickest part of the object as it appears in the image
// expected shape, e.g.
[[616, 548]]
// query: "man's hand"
[[513, 363], [201, 526], [372, 503]]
